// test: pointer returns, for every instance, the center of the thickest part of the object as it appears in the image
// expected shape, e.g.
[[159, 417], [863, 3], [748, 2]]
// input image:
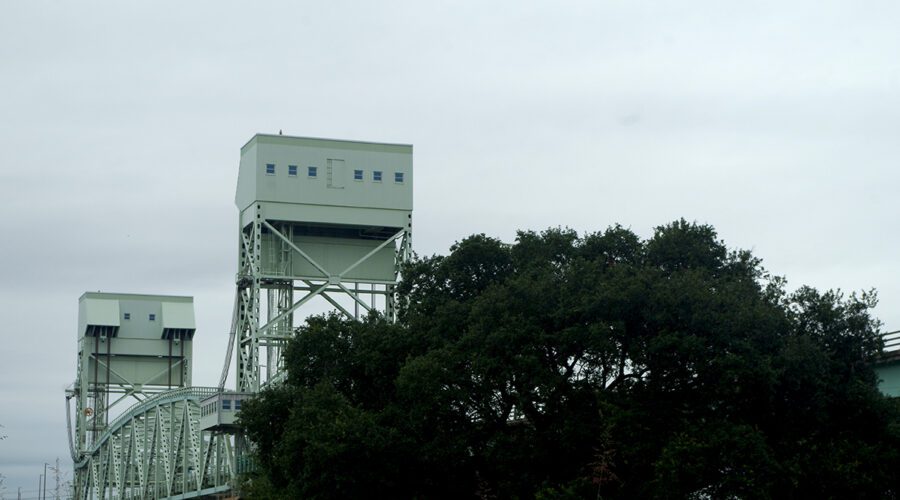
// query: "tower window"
[[127, 316], [270, 169], [398, 177], [312, 171], [376, 175], [357, 175], [152, 317], [292, 170]]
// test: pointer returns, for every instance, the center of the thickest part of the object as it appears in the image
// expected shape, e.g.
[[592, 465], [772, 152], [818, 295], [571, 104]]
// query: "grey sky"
[[776, 122]]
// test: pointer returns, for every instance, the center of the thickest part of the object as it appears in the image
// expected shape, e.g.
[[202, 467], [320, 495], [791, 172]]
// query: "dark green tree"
[[602, 366]]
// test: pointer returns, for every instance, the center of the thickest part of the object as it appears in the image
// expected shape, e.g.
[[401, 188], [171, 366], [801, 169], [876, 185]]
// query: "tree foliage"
[[602, 366]]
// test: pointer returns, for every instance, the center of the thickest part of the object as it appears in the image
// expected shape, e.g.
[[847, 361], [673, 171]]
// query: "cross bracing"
[[268, 251], [156, 449]]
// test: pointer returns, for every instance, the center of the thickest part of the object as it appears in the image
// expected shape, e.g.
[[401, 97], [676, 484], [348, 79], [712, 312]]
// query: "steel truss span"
[[156, 449]]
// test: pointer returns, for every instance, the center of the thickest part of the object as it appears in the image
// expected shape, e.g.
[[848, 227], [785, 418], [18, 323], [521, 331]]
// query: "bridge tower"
[[321, 221], [129, 348]]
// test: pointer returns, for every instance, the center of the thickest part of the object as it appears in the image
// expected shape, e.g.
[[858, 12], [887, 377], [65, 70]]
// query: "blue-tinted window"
[[376, 175], [357, 175], [292, 170], [226, 404], [398, 176], [270, 169], [312, 171], [237, 404], [152, 317], [127, 315]]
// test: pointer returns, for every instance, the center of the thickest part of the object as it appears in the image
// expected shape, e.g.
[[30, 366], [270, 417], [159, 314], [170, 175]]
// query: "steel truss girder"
[[157, 450]]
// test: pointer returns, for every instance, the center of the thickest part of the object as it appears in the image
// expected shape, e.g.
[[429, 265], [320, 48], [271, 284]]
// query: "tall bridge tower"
[[320, 220]]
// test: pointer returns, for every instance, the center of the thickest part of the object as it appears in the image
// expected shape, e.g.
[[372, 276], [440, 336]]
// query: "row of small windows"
[[313, 172], [151, 317], [226, 405]]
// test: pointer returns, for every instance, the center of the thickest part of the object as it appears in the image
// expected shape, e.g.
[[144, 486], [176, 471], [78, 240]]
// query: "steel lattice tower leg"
[[248, 283], [282, 305]]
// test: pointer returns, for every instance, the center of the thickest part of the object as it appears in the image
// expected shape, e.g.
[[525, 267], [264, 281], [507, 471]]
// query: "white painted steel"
[[337, 236], [156, 449]]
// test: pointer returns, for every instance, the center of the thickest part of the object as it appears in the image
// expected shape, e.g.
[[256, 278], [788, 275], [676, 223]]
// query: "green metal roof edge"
[[135, 296], [317, 142]]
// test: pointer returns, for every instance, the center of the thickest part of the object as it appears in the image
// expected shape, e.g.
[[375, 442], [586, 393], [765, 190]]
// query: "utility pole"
[[56, 475]]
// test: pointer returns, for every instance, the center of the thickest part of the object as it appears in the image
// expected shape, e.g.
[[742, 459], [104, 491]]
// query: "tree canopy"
[[596, 366]]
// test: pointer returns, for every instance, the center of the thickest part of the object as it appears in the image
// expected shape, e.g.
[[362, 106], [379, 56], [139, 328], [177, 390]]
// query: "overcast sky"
[[776, 122]]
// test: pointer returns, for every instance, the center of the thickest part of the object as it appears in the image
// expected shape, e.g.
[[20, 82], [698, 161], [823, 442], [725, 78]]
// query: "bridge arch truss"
[[156, 449]]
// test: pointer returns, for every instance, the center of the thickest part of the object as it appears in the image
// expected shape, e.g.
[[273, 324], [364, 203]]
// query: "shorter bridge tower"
[[130, 347], [320, 220]]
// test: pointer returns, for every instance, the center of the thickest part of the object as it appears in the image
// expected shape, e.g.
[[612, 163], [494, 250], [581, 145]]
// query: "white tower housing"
[[331, 219]]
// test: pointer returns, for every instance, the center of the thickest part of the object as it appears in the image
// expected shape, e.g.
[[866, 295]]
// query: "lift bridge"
[[320, 221]]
